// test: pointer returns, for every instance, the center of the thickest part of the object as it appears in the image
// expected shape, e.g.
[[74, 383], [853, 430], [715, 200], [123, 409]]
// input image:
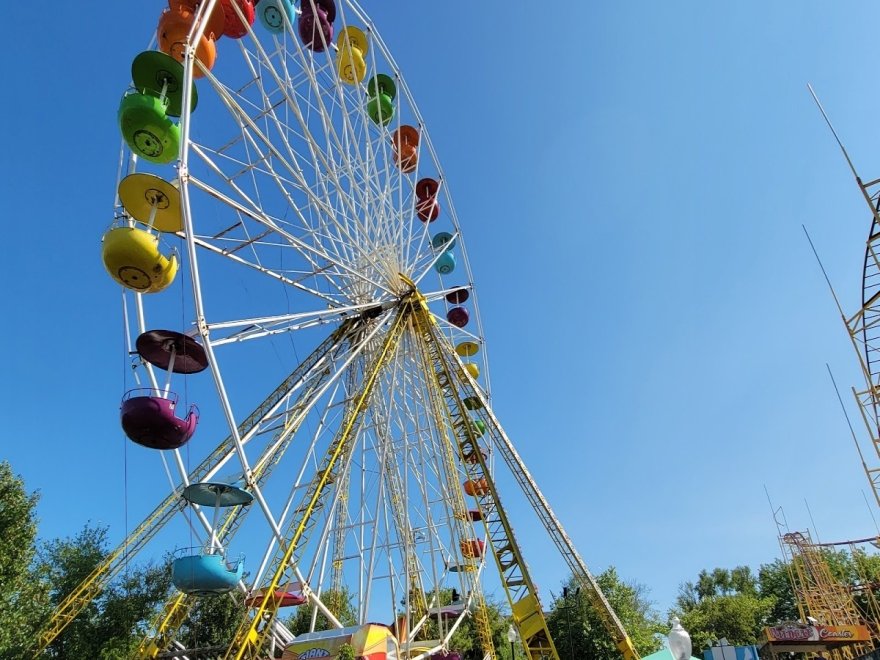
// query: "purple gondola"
[[150, 419], [458, 316], [458, 296]]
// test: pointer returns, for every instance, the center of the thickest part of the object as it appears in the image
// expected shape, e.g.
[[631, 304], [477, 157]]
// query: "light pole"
[[679, 641], [511, 637]]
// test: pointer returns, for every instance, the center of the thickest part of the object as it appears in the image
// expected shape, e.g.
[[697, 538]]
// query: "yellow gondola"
[[467, 349], [353, 46], [133, 259]]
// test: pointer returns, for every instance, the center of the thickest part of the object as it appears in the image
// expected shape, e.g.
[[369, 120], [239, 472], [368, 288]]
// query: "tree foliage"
[[339, 602], [736, 604], [774, 582], [213, 621], [724, 603], [111, 625], [578, 630], [23, 603]]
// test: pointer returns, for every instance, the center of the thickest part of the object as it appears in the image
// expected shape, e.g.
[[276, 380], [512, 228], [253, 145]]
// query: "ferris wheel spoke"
[[397, 488], [250, 208], [327, 165], [326, 424], [334, 314], [309, 251], [256, 136], [361, 163], [310, 455], [251, 634], [365, 172], [340, 241], [204, 243]]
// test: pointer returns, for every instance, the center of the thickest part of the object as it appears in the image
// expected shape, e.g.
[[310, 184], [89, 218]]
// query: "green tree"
[[775, 583], [338, 602], [112, 624], [213, 621], [578, 630], [738, 617], [23, 602], [734, 604]]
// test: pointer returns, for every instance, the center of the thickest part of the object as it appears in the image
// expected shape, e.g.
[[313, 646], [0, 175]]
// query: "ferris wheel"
[[295, 282]]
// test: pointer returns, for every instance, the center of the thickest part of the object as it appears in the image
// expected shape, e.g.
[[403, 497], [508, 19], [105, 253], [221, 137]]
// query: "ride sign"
[[796, 633]]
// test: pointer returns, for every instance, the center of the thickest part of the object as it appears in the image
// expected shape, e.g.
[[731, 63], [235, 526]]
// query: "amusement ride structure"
[[286, 202], [822, 596]]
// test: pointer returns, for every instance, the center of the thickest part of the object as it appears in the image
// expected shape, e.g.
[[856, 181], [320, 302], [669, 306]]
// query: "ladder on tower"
[[460, 386], [528, 614], [466, 564]]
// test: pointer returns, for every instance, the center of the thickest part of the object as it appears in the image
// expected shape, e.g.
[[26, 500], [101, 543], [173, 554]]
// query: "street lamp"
[[511, 637], [679, 641]]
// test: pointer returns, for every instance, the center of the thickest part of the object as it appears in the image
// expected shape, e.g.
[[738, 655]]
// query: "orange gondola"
[[405, 141], [476, 487], [216, 21], [173, 31]]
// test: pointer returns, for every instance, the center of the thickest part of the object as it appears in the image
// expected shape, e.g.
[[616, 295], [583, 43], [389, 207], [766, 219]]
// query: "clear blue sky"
[[631, 178]]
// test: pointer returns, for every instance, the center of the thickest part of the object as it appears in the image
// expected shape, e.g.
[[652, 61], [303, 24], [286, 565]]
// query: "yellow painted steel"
[[820, 594], [92, 586], [461, 389], [251, 636], [178, 606], [339, 536], [518, 585], [132, 257], [467, 563], [473, 369]]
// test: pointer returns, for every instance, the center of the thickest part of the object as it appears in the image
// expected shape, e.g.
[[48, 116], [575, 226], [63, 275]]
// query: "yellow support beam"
[[464, 387], [468, 564], [252, 635], [528, 615], [93, 585]]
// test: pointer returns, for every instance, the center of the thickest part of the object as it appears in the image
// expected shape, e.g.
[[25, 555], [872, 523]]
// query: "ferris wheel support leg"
[[250, 638], [70, 607], [450, 456], [177, 608], [516, 579], [530, 488]]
